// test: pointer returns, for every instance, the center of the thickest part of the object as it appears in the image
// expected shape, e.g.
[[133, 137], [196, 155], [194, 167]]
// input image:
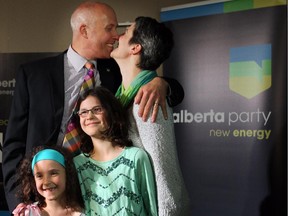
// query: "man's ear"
[[136, 49], [83, 31]]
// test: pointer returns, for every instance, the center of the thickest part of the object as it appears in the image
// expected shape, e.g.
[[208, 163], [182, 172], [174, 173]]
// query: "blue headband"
[[48, 154]]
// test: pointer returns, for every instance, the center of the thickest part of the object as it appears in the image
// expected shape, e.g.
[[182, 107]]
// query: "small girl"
[[115, 178], [49, 184]]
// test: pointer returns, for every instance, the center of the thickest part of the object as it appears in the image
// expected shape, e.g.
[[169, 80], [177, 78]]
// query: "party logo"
[[250, 70]]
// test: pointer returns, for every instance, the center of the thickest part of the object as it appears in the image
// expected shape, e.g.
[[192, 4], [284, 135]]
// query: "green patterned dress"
[[122, 186]]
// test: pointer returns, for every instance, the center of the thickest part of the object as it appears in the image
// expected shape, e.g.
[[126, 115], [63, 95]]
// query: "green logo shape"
[[250, 70]]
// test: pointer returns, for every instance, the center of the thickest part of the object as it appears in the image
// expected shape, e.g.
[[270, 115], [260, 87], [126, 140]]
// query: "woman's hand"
[[150, 97]]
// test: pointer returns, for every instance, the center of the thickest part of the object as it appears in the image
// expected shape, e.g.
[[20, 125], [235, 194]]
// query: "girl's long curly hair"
[[116, 116], [28, 192]]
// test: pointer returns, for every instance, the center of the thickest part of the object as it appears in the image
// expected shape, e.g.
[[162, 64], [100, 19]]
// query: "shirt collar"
[[76, 60]]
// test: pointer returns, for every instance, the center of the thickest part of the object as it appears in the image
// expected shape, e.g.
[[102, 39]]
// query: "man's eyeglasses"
[[95, 111]]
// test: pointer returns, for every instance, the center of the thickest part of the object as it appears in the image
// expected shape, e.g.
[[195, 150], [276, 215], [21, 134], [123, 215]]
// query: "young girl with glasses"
[[116, 178]]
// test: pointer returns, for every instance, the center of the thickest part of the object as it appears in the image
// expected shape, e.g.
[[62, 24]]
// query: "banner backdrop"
[[231, 128]]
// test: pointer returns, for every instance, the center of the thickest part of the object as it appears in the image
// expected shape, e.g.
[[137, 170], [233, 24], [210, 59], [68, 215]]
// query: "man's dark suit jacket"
[[37, 110]]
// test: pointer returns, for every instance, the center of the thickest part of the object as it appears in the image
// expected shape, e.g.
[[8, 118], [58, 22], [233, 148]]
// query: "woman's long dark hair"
[[116, 116]]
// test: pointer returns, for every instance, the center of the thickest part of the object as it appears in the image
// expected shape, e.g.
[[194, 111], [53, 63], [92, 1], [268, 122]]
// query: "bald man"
[[47, 89]]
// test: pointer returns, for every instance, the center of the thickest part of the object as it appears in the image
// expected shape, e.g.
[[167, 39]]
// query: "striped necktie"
[[72, 138]]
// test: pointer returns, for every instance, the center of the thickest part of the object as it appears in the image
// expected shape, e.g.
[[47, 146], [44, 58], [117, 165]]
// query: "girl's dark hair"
[[156, 41], [116, 116], [28, 192]]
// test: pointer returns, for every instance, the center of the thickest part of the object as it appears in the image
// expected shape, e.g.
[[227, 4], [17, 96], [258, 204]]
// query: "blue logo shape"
[[250, 69]]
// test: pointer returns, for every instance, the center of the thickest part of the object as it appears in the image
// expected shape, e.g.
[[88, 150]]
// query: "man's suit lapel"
[[57, 82], [109, 74]]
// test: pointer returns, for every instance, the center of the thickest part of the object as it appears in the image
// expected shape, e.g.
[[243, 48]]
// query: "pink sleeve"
[[28, 210]]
